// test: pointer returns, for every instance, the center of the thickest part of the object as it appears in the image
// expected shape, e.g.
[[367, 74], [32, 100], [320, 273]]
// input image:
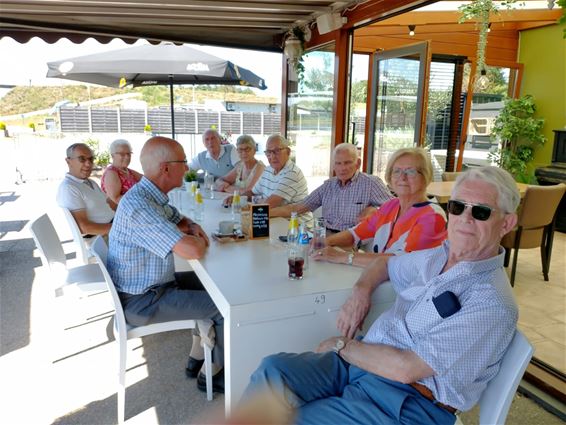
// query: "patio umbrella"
[[149, 65]]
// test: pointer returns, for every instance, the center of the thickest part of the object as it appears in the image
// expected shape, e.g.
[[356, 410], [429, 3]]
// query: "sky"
[[27, 62]]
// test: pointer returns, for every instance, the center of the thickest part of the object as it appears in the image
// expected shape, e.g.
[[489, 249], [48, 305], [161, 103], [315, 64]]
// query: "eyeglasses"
[[83, 159], [409, 172], [245, 150], [273, 151], [180, 161], [479, 212], [123, 153]]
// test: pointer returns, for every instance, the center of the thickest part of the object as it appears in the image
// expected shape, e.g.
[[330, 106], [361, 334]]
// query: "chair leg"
[[208, 371], [549, 241], [544, 253], [121, 393], [507, 257], [516, 254]]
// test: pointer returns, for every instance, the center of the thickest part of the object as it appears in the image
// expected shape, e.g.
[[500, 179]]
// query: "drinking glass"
[[296, 261], [209, 184], [318, 235]]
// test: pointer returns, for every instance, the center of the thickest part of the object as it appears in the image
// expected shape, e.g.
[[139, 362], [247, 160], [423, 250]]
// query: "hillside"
[[23, 99]]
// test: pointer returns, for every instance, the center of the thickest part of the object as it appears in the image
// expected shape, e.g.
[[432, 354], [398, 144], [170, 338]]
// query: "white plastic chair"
[[124, 331], [87, 278], [83, 253], [496, 399]]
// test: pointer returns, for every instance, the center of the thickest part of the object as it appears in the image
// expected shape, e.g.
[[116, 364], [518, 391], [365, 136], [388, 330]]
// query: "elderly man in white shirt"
[[81, 195]]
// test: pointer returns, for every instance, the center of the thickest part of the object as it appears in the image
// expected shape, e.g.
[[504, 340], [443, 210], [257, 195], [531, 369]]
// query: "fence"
[[189, 121]]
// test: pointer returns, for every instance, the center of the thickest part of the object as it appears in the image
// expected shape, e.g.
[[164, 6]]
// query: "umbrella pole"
[[172, 102]]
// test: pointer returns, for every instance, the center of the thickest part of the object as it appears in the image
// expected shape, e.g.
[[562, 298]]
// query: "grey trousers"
[[183, 299]]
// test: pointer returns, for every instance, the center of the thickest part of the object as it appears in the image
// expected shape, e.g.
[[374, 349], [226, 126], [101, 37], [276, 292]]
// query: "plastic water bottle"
[[293, 230], [304, 245], [237, 211], [199, 206]]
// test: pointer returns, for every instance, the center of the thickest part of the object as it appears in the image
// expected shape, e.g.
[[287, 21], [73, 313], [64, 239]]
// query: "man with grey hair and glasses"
[[88, 204], [435, 350]]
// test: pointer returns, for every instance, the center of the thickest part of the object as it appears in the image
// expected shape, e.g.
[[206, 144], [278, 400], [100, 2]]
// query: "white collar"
[[222, 150]]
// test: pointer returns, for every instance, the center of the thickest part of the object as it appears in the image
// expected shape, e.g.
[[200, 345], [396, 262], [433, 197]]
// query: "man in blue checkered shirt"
[[435, 350], [346, 198], [146, 232]]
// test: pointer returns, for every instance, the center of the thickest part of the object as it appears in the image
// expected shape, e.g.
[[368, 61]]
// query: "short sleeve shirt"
[[464, 349], [290, 184], [77, 194], [141, 240]]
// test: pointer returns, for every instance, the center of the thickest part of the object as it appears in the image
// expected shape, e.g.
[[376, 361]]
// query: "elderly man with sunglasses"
[[441, 342], [88, 204]]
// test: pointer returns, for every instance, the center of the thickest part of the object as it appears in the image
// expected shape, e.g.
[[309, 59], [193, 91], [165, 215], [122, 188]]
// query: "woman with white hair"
[[409, 222], [247, 172], [118, 178]]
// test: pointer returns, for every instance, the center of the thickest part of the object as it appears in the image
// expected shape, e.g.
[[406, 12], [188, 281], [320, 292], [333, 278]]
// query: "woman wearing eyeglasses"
[[409, 222], [247, 172], [118, 178]]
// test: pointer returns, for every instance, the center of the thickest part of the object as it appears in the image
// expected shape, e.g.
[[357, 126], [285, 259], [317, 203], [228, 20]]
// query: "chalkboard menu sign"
[[255, 221]]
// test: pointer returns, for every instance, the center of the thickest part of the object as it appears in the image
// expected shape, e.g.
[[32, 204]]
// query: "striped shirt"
[[342, 204], [289, 184], [464, 349], [143, 234]]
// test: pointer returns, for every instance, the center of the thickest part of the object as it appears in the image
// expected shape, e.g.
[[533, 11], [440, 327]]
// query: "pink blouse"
[[126, 180]]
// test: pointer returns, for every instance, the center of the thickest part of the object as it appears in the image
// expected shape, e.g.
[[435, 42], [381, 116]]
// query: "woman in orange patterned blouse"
[[409, 222]]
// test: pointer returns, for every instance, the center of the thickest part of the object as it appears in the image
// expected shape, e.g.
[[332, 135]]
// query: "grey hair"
[[71, 149], [284, 142], [508, 197], [346, 147], [246, 140], [151, 159], [211, 130], [425, 166], [117, 143]]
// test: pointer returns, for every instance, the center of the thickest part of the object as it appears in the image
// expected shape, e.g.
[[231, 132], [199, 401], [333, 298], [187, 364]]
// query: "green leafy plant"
[[520, 134], [2, 125], [480, 11], [102, 158], [147, 128], [190, 176]]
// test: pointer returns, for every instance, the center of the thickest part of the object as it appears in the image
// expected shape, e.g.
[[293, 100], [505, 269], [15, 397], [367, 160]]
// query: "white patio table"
[[265, 312]]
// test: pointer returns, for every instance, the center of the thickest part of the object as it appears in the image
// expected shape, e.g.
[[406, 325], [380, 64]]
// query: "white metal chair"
[[124, 331], [496, 399], [83, 253], [86, 278]]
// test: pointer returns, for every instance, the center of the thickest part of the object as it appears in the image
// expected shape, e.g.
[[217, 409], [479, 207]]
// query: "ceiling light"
[[412, 30], [489, 27]]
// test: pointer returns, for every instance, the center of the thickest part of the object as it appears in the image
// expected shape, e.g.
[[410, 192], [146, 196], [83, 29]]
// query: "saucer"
[[223, 235]]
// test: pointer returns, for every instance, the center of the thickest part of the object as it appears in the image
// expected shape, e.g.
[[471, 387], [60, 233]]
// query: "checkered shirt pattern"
[[464, 349], [143, 233], [341, 204]]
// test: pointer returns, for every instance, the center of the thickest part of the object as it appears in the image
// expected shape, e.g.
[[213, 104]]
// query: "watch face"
[[339, 345]]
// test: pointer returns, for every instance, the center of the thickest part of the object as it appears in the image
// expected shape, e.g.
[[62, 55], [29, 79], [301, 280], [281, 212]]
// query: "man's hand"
[[196, 230], [365, 213], [353, 312]]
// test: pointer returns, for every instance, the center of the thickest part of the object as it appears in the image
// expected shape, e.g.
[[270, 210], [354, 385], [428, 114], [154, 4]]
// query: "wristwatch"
[[339, 345], [350, 258]]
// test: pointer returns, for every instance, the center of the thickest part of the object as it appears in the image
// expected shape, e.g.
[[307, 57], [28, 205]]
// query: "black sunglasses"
[[479, 212]]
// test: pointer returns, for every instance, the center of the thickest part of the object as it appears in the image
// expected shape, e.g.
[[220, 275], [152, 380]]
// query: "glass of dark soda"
[[296, 263]]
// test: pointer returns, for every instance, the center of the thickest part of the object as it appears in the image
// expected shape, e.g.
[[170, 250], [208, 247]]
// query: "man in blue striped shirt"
[[145, 234]]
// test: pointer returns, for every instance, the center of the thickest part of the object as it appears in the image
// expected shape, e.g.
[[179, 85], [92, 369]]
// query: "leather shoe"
[[217, 382], [193, 367]]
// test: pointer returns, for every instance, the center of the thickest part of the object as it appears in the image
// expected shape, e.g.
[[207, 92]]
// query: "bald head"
[[156, 151]]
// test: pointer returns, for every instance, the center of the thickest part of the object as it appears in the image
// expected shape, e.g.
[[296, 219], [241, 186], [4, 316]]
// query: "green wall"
[[543, 53]]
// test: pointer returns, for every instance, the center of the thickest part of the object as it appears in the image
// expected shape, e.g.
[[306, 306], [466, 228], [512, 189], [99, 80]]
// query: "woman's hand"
[[330, 254]]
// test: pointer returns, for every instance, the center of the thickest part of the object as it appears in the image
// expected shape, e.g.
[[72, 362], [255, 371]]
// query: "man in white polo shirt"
[[82, 196]]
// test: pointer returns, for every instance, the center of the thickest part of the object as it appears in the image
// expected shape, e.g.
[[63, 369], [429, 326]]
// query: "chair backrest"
[[48, 243], [450, 176], [83, 253], [497, 397], [100, 251], [539, 205]]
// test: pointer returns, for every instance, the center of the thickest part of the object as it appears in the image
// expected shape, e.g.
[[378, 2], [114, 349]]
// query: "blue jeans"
[[325, 389]]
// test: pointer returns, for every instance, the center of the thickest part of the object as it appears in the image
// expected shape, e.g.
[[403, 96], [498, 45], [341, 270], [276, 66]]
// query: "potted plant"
[[191, 176], [519, 133], [294, 48], [4, 129], [147, 129]]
